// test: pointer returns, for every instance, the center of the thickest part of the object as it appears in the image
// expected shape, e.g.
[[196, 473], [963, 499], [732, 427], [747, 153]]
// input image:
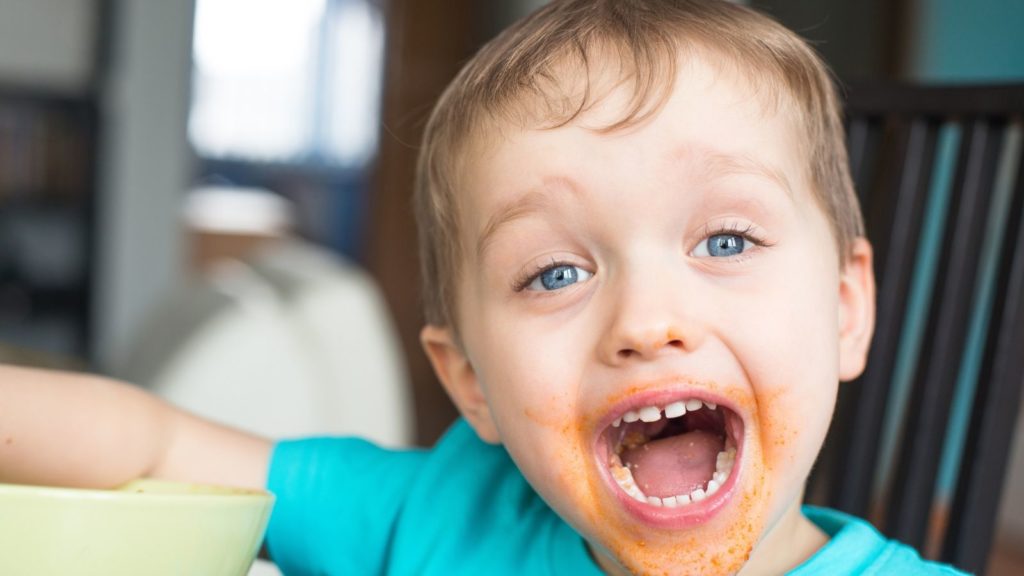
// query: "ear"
[[459, 380], [856, 310]]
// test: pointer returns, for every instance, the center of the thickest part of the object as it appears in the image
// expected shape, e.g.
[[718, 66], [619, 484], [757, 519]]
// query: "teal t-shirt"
[[345, 506]]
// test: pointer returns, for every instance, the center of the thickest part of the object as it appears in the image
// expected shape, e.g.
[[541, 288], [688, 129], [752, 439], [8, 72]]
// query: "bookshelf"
[[48, 154]]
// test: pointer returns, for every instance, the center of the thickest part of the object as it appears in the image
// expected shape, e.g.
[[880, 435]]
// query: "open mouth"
[[678, 456]]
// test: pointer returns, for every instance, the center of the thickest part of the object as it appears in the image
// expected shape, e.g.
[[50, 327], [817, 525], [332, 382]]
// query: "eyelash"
[[748, 233], [523, 280]]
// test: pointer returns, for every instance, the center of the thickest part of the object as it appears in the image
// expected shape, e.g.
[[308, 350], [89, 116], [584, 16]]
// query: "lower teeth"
[[723, 467]]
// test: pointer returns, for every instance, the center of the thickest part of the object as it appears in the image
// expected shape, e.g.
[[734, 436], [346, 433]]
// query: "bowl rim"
[[125, 492]]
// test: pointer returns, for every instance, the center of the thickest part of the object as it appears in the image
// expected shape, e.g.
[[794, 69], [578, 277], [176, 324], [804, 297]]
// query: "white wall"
[[146, 165], [47, 43]]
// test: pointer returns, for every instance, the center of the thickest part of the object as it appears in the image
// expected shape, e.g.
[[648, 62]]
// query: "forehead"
[[713, 123]]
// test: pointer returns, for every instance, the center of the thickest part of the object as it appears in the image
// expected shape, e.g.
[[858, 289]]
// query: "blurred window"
[[293, 82]]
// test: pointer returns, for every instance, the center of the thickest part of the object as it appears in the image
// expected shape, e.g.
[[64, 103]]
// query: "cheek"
[[525, 368], [530, 379], [535, 411], [792, 363]]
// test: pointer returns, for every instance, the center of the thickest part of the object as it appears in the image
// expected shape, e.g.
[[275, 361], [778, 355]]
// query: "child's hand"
[[76, 430]]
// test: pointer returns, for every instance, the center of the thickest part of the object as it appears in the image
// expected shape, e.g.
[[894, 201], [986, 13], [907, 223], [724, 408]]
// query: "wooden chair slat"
[[913, 492], [997, 400], [900, 138], [857, 470]]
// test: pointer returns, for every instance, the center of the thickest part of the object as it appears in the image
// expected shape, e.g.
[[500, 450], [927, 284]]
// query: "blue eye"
[[558, 276], [721, 246]]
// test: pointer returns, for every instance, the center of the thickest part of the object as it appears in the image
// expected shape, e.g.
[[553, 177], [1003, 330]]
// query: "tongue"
[[675, 465]]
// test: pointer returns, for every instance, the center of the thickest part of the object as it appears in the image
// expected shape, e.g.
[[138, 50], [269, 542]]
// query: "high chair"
[[921, 442]]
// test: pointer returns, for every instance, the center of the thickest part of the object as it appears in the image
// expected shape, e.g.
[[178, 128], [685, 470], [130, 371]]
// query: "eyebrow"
[[534, 201], [714, 165]]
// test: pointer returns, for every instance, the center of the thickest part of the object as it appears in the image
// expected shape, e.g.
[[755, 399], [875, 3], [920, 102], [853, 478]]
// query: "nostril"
[[648, 344], [626, 353]]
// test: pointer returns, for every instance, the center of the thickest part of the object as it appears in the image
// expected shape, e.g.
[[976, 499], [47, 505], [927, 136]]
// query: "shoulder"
[[336, 501], [472, 511], [348, 506], [312, 472], [856, 547]]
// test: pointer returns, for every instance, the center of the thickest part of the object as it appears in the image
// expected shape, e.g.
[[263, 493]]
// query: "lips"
[[671, 458]]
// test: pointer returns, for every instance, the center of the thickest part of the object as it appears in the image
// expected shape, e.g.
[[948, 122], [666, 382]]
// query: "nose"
[[651, 317]]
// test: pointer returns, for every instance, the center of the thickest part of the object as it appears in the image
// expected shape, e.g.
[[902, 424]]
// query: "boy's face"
[[634, 273]]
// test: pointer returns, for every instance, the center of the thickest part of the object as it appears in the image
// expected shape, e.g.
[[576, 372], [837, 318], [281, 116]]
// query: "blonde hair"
[[519, 77]]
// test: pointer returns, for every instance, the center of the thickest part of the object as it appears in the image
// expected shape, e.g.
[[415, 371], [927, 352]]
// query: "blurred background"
[[211, 197]]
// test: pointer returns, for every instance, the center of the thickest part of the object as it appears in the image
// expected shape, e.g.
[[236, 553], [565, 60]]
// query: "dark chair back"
[[939, 174]]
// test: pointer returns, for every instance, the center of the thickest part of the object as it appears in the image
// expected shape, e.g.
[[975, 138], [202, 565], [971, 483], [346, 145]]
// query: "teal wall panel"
[[968, 41]]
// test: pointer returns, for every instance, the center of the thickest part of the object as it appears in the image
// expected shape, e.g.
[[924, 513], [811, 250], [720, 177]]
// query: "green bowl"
[[145, 528]]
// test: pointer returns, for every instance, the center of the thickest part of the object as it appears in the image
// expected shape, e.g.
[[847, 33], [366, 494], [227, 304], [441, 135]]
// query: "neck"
[[786, 545]]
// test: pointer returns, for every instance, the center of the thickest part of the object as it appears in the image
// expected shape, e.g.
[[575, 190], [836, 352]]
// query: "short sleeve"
[[856, 547], [337, 500]]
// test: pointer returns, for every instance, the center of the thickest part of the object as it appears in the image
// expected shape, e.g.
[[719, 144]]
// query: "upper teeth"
[[673, 410]]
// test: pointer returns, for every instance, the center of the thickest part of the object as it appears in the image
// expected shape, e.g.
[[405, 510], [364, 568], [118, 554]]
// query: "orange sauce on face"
[[723, 545]]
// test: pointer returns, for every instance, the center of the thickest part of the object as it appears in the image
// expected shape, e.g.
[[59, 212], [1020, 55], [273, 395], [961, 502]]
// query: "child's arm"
[[77, 430]]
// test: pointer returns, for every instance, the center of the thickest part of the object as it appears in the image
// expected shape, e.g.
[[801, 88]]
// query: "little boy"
[[645, 275]]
